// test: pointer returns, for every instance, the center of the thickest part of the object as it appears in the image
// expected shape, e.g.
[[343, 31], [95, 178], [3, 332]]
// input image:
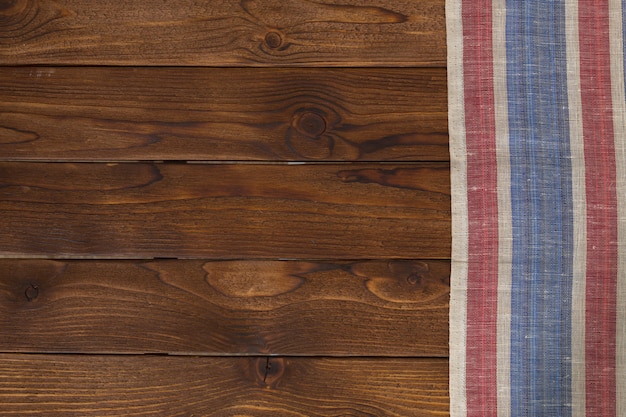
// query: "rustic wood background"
[[223, 208]]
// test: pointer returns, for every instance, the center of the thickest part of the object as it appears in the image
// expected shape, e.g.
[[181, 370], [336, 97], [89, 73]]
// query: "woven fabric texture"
[[538, 156]]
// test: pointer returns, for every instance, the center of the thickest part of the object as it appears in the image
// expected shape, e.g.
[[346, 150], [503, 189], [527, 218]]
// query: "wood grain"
[[223, 33], [231, 211], [392, 308], [66, 385], [51, 113], [316, 289]]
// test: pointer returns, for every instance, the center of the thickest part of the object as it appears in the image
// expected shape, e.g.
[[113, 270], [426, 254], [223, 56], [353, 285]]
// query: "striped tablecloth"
[[538, 146]]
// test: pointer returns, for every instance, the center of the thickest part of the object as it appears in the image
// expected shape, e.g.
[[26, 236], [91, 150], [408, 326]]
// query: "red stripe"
[[601, 298], [482, 280]]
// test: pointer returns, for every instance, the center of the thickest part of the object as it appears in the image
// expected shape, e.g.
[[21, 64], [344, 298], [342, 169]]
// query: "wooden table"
[[223, 208]]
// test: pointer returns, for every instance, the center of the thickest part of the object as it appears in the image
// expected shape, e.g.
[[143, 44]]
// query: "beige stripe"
[[579, 206], [619, 126], [504, 209], [458, 292]]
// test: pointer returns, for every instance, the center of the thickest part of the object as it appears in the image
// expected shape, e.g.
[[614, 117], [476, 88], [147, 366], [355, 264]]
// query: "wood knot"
[[402, 281], [310, 124], [270, 370], [14, 9], [7, 4], [273, 40], [414, 279], [32, 292], [310, 134]]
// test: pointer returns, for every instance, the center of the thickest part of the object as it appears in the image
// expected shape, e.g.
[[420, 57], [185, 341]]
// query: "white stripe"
[[619, 126], [458, 173], [579, 206], [505, 224]]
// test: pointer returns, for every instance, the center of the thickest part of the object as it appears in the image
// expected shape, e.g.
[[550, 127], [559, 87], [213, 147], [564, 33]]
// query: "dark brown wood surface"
[[88, 385], [289, 159], [224, 308], [272, 114], [225, 211], [223, 33]]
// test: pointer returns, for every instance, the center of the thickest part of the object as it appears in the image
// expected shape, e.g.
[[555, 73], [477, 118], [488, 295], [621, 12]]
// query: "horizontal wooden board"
[[67, 113], [230, 211], [64, 385], [223, 33], [389, 308]]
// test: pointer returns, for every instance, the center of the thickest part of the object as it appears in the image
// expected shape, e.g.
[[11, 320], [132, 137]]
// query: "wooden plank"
[[224, 33], [63, 385], [389, 308], [230, 211], [49, 113]]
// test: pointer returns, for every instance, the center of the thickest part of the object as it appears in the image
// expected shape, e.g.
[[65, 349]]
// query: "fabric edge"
[[458, 278]]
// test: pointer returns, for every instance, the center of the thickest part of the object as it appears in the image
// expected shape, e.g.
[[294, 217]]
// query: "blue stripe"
[[542, 209]]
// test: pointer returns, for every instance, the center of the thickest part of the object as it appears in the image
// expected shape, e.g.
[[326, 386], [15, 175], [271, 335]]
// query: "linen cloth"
[[537, 118]]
